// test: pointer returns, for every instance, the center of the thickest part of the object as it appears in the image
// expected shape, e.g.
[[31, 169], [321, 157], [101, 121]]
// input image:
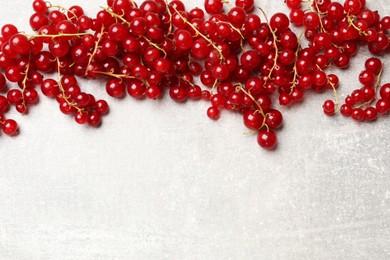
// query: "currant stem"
[[294, 81], [222, 58], [336, 97], [214, 85], [124, 21], [319, 17], [118, 76], [24, 86], [50, 5], [94, 50], [233, 27], [170, 17], [155, 46], [260, 109], [115, 15], [53, 36], [351, 23], [63, 94], [377, 83], [187, 81], [275, 43]]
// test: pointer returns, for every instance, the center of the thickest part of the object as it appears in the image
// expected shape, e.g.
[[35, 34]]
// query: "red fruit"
[[10, 127], [250, 60], [183, 39], [346, 110], [94, 119], [352, 7], [101, 107], [213, 113], [374, 65], [383, 106], [279, 22], [213, 6], [153, 92], [329, 107], [4, 104], [274, 119], [358, 114], [247, 5], [267, 139], [385, 91], [116, 88], [19, 43], [367, 77], [178, 93], [370, 114], [253, 119]]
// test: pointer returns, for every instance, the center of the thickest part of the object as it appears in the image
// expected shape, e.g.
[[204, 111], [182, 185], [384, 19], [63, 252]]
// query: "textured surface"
[[161, 181]]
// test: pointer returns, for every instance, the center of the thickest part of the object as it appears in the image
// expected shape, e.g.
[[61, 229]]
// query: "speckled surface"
[[160, 180]]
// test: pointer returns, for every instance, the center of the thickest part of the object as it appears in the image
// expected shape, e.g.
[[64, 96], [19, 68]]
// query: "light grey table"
[[160, 180]]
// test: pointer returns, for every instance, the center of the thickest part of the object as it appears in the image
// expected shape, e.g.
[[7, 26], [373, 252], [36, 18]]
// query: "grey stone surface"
[[161, 181]]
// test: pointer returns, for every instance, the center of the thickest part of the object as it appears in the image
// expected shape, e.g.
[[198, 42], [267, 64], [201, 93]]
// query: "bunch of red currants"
[[244, 61]]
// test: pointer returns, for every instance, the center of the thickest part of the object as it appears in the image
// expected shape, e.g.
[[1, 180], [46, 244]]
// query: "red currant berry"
[[81, 118], [178, 93], [116, 88], [367, 77], [274, 119], [385, 91], [19, 43], [382, 106], [374, 65], [358, 114], [279, 22], [253, 119], [101, 107], [94, 119], [247, 5], [153, 92], [213, 6], [352, 7], [346, 110], [370, 114], [213, 113], [267, 139], [329, 107], [4, 104], [10, 127]]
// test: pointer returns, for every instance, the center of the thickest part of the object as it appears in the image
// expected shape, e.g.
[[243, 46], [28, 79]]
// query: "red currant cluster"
[[358, 104], [334, 31], [160, 46]]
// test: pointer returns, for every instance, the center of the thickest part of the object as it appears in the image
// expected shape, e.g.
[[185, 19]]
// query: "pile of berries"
[[244, 61]]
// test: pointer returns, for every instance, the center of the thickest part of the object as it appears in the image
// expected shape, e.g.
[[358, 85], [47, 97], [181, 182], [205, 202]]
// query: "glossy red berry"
[[382, 106], [374, 65], [213, 6], [213, 113], [279, 22], [274, 119], [247, 5], [116, 88], [370, 114], [178, 93], [94, 119], [19, 43], [346, 110], [10, 127], [253, 119], [329, 107], [267, 139], [358, 114]]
